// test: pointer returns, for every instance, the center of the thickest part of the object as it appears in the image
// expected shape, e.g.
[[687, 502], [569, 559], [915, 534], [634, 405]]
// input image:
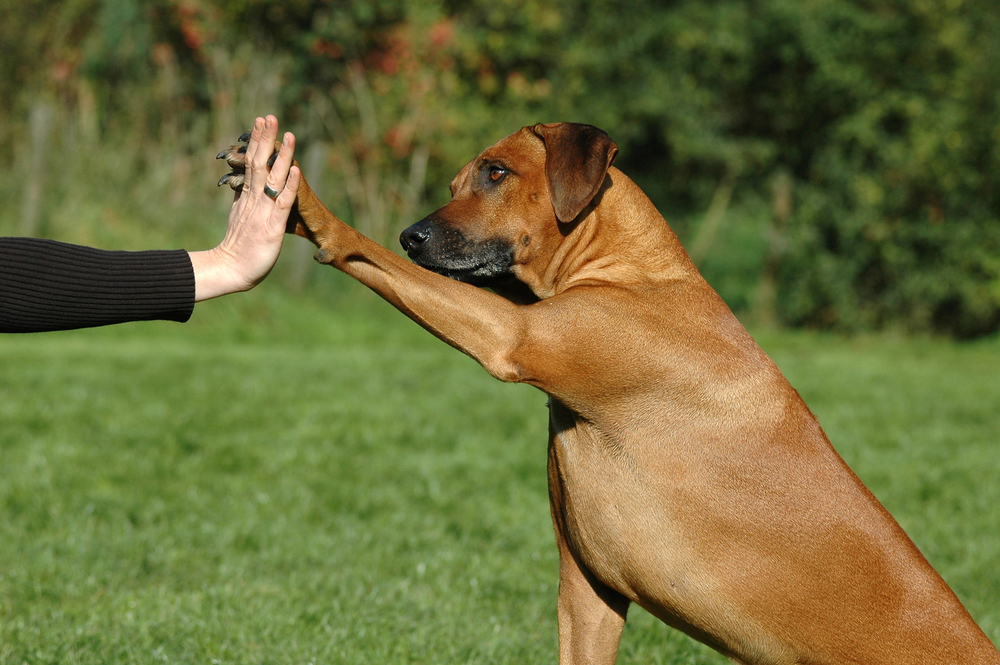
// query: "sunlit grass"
[[331, 484]]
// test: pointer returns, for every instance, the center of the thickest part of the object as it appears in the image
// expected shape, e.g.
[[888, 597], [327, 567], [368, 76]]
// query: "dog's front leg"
[[481, 324], [591, 615]]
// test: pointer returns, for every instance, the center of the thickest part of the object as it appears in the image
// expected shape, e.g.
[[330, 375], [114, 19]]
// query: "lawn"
[[297, 481]]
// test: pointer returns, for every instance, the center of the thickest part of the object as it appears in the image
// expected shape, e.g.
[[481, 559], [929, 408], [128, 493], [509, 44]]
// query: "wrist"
[[213, 276]]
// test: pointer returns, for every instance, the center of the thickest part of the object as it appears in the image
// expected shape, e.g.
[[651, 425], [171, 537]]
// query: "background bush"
[[829, 163]]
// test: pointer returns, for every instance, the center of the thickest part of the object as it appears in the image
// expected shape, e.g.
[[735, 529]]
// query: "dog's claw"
[[235, 156], [234, 180]]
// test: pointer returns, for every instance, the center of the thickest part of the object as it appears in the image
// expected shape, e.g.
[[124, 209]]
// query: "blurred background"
[[302, 475], [830, 164]]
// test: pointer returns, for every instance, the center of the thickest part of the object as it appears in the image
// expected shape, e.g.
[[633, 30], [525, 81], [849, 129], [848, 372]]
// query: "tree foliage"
[[883, 114]]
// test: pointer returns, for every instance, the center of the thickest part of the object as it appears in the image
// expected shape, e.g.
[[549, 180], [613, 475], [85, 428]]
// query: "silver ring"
[[271, 192]]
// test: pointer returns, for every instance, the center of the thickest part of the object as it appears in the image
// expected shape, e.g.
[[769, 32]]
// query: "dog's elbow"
[[512, 348], [502, 366], [509, 373], [503, 362]]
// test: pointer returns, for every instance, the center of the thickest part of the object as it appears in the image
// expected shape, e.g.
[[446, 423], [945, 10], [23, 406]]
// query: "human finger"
[[257, 160], [255, 132], [275, 181], [286, 199]]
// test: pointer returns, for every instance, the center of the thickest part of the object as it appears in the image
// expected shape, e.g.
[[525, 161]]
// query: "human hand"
[[256, 222]]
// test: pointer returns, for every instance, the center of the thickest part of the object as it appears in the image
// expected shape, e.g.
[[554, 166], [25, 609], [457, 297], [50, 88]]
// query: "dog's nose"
[[414, 236]]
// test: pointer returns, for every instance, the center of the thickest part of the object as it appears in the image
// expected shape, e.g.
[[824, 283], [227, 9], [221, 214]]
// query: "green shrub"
[[884, 113]]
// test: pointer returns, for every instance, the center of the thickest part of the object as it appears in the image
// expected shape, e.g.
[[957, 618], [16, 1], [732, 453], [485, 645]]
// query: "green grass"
[[328, 483]]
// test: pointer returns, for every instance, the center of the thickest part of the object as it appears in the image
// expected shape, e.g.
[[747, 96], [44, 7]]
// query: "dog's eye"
[[497, 172]]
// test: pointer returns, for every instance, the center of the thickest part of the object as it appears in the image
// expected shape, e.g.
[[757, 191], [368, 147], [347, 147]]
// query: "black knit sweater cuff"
[[47, 285]]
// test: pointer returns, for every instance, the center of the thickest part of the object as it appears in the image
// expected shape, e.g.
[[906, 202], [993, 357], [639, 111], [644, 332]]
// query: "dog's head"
[[512, 203]]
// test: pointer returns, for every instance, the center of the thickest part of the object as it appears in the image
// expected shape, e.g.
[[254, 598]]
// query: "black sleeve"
[[47, 285]]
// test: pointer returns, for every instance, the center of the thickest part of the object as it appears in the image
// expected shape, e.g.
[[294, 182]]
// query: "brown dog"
[[685, 473]]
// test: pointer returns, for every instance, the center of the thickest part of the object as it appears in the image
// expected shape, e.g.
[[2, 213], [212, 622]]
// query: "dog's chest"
[[591, 468], [625, 522], [605, 503]]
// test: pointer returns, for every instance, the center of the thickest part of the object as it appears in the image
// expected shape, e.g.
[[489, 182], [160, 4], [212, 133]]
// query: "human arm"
[[47, 285]]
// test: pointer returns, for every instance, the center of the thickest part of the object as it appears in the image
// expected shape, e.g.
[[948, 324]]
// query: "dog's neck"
[[612, 241]]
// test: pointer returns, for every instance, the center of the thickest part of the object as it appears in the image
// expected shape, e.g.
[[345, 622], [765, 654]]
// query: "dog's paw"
[[235, 157]]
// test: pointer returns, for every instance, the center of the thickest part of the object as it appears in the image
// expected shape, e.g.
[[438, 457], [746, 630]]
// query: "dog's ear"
[[577, 158]]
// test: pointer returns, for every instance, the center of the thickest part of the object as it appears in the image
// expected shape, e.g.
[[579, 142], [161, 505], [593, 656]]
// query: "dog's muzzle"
[[437, 246]]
